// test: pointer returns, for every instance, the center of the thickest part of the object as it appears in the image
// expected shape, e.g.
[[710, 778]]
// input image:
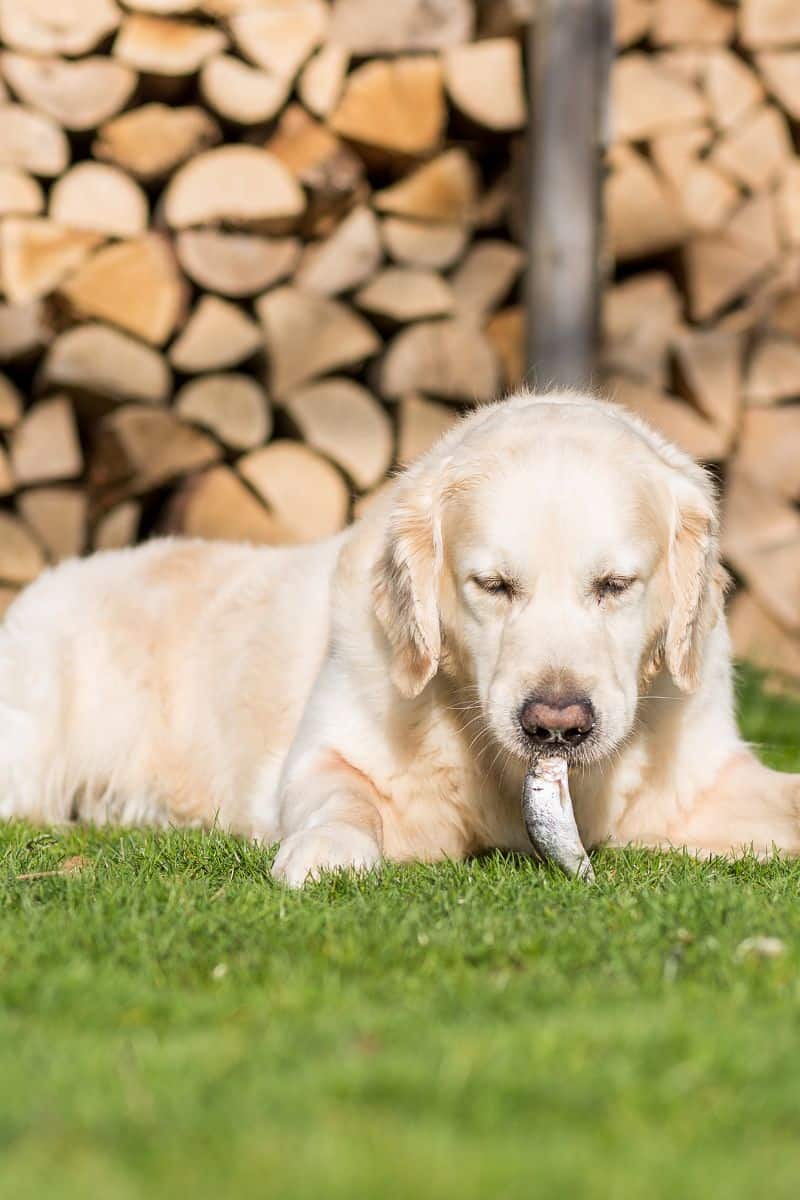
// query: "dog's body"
[[366, 697]]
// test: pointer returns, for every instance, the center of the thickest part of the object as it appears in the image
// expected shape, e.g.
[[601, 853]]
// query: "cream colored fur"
[[357, 699]]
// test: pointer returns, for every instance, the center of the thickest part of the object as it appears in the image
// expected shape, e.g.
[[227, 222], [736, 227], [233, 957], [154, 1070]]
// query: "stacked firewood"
[[702, 315], [253, 255]]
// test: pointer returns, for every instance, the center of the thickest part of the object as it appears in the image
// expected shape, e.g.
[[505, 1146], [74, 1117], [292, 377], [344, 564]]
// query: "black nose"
[[548, 720]]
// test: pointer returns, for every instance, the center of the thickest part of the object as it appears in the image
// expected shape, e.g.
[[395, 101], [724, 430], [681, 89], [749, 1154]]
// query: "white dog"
[[546, 575]]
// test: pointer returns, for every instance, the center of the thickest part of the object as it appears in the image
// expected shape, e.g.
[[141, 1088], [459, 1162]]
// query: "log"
[[241, 93], [677, 154], [647, 100], [757, 151], [305, 494], [731, 87], [44, 445], [707, 198], [421, 423], [430, 245], [788, 199], [366, 29], [100, 198], [235, 264], [709, 364], [23, 330], [346, 258], [363, 504], [720, 267], [642, 213], [760, 640], [133, 284], [36, 254], [640, 318], [322, 80], [217, 335], [781, 74], [118, 527], [346, 423], [280, 37], [32, 141], [138, 449], [233, 407], [485, 82], [675, 420], [784, 316], [58, 517], [773, 373], [632, 20], [308, 335], [78, 95], [151, 141], [506, 335], [20, 193], [395, 106], [41, 27], [450, 359], [767, 23], [7, 482], [21, 558], [444, 189], [217, 505], [331, 174], [769, 449], [692, 22], [102, 361], [485, 277], [160, 46], [236, 184], [762, 543], [401, 294], [10, 403]]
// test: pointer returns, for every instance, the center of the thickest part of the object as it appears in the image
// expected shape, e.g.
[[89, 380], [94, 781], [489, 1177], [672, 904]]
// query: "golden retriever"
[[545, 578]]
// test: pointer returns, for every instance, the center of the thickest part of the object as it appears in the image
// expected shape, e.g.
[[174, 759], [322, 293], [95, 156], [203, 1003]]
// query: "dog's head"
[[549, 556]]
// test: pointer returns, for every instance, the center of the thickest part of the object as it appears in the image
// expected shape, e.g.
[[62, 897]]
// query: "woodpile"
[[701, 315], [253, 256]]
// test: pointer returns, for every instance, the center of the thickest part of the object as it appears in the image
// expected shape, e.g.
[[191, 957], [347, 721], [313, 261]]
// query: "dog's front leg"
[[330, 823]]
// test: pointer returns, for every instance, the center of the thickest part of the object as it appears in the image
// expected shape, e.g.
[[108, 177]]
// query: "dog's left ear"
[[697, 580], [406, 584]]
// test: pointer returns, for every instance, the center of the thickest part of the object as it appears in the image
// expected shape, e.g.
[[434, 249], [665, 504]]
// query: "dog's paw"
[[309, 853]]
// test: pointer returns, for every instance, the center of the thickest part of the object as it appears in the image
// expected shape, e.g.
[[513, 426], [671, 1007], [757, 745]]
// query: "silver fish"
[[550, 820]]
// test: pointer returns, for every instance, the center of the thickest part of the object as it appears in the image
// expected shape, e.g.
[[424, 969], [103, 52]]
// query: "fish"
[[550, 820]]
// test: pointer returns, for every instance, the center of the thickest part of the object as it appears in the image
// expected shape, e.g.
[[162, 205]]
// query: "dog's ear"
[[697, 579], [406, 585]]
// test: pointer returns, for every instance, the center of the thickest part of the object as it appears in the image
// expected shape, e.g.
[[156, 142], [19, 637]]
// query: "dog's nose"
[[551, 719]]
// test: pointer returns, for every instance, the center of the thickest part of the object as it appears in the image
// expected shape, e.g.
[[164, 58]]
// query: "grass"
[[173, 1024]]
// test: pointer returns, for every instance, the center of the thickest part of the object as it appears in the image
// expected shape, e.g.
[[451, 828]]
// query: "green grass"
[[172, 1024]]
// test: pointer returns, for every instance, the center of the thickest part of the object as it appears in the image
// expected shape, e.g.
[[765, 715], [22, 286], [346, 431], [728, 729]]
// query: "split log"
[[761, 540], [450, 359], [44, 445], [138, 449], [731, 87], [632, 20], [20, 193], [216, 505], [757, 151], [363, 504], [348, 256], [395, 106], [640, 318], [238, 184], [99, 198], [720, 267], [346, 423], [781, 73], [235, 264], [709, 364], [367, 29], [774, 371], [759, 639], [692, 22], [421, 423], [36, 254], [784, 316], [133, 284], [79, 95], [647, 100], [444, 189], [10, 403], [233, 407], [42, 27], [767, 23], [118, 527], [153, 140], [400, 294], [57, 515], [242, 93], [159, 46], [642, 215], [102, 361], [308, 335], [21, 558], [280, 37], [506, 335], [32, 141], [23, 330], [676, 154], [769, 449], [422, 244], [170, 8], [485, 82], [485, 277], [322, 80], [303, 491], [788, 200], [331, 174], [676, 421], [8, 484], [218, 334]]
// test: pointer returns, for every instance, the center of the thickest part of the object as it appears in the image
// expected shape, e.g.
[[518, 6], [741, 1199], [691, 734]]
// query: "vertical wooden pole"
[[570, 47]]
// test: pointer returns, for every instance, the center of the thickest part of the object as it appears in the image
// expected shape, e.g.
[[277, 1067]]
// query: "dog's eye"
[[495, 585], [612, 585]]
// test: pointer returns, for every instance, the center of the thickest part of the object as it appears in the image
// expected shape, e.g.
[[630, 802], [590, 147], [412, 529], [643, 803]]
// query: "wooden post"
[[570, 48]]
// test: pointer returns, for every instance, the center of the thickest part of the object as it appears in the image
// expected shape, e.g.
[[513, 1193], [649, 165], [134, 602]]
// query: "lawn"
[[172, 1024]]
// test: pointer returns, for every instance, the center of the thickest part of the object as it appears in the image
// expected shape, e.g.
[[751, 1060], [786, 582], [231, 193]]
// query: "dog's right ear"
[[406, 585]]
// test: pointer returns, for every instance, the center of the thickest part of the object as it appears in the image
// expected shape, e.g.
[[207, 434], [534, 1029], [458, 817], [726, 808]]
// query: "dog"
[[545, 579]]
